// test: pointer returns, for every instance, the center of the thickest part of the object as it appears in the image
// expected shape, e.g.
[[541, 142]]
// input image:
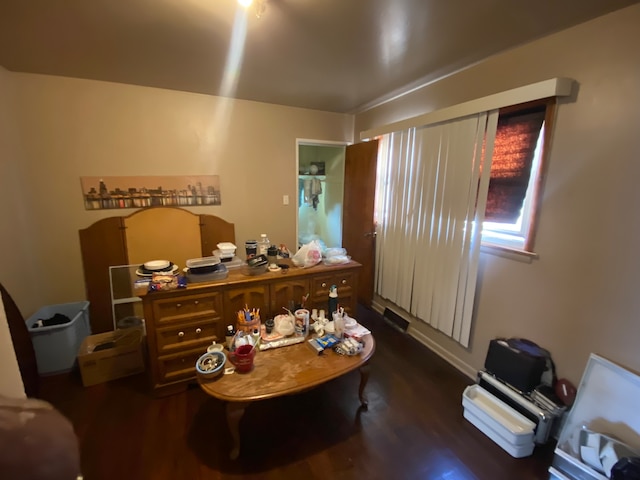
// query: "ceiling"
[[333, 55]]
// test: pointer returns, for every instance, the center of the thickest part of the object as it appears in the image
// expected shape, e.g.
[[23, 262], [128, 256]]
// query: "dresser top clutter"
[[138, 238], [182, 322]]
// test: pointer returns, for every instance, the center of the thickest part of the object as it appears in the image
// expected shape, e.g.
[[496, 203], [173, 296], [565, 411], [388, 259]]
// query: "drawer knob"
[[198, 330], [178, 305], [180, 334], [344, 282], [324, 285], [196, 302]]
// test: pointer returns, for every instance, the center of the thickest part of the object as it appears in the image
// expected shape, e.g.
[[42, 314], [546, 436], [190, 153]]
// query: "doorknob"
[[371, 234]]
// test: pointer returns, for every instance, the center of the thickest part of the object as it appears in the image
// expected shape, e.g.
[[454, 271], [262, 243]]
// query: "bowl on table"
[[211, 364]]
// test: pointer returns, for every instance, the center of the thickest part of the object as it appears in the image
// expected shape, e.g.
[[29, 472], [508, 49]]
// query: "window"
[[517, 169]]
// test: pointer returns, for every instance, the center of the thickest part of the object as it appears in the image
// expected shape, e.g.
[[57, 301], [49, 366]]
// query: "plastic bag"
[[335, 256], [337, 260], [308, 255]]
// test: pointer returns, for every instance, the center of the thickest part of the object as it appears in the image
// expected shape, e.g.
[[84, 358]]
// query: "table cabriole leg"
[[235, 411], [364, 378]]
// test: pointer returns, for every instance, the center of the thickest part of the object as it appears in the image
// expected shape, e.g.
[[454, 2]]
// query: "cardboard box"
[[110, 355]]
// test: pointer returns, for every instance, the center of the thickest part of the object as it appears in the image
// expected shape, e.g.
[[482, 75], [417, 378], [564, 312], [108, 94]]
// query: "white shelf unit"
[[124, 302]]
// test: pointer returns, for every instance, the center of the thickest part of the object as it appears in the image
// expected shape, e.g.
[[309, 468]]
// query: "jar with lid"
[[263, 244], [272, 256], [251, 248]]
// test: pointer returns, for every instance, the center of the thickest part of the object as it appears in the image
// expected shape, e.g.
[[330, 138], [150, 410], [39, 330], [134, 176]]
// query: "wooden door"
[[358, 227], [22, 344]]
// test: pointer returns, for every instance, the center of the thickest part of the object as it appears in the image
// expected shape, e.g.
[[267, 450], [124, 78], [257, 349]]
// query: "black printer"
[[521, 374]]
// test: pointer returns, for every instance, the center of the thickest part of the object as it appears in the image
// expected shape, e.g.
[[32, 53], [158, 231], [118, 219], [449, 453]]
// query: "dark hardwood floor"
[[413, 428]]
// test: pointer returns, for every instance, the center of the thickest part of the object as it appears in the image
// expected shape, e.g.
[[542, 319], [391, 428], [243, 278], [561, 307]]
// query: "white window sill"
[[508, 252]]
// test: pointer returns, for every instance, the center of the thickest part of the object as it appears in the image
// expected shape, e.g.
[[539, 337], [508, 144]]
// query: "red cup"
[[242, 358]]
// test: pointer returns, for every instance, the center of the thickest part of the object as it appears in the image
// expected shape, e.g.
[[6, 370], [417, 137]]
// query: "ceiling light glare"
[[245, 3]]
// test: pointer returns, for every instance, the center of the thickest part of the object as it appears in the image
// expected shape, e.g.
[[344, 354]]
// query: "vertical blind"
[[431, 195]]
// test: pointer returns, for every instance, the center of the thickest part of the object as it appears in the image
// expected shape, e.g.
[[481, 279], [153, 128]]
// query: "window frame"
[[533, 197]]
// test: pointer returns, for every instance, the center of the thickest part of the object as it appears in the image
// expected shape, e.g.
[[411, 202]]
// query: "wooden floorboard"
[[413, 428]]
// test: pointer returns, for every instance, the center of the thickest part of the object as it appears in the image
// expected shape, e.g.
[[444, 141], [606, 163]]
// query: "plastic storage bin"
[[56, 346], [502, 424]]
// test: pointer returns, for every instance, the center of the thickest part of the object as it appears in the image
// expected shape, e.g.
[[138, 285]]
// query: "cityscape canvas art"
[[101, 193]]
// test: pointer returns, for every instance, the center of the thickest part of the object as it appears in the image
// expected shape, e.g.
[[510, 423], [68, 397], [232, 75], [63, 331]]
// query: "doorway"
[[320, 192]]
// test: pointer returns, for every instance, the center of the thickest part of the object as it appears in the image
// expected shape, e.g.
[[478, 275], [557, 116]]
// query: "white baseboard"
[[454, 361], [377, 307]]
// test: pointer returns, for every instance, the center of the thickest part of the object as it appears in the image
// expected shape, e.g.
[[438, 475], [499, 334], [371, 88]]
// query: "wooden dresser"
[[182, 323], [129, 240]]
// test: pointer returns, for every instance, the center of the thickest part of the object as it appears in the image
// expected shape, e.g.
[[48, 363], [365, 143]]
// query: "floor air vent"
[[395, 320]]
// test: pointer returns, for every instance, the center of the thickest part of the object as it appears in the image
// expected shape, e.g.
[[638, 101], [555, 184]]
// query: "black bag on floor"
[[520, 363]]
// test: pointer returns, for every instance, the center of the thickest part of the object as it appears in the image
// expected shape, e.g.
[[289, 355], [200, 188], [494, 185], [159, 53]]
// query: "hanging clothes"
[[316, 190], [312, 190]]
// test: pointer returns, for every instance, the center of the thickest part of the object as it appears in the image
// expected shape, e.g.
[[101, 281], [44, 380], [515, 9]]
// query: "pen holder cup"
[[248, 326]]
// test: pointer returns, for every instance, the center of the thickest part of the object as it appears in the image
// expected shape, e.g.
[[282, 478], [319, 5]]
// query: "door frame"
[[311, 143]]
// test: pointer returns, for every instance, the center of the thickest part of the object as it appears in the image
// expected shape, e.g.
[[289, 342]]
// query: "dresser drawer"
[[345, 281], [186, 336], [321, 284], [342, 280], [179, 366], [178, 309]]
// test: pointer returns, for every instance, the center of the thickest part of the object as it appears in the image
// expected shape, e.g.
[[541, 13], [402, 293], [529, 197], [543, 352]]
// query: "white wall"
[[581, 295]]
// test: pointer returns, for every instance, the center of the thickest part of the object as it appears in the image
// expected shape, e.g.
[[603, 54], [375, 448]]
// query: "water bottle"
[[263, 244], [333, 300]]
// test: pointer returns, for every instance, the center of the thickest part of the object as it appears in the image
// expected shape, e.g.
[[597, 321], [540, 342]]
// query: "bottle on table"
[[333, 300], [338, 322], [229, 335], [263, 244]]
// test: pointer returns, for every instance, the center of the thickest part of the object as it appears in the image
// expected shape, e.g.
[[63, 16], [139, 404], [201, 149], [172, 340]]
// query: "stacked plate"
[[147, 269], [202, 265], [205, 269]]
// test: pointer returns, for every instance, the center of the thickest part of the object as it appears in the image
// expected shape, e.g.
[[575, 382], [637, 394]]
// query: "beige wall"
[[10, 380], [71, 128], [581, 295], [16, 263], [15, 242]]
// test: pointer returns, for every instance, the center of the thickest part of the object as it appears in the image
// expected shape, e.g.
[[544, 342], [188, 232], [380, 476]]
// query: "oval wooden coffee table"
[[284, 371]]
